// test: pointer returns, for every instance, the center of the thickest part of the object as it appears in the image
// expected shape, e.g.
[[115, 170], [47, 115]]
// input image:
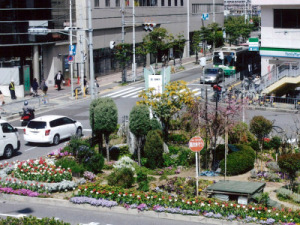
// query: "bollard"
[[76, 93], [83, 91]]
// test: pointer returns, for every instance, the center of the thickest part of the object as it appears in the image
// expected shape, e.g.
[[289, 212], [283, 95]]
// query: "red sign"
[[70, 58], [196, 144]]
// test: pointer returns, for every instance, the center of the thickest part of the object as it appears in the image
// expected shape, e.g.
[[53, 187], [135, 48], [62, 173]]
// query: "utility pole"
[[188, 28], [123, 38], [90, 30], [133, 41], [206, 127], [245, 11], [71, 43], [214, 15]]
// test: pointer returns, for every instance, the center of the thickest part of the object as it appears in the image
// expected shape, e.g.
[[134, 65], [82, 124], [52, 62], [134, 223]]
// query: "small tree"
[[154, 149], [139, 124], [290, 163], [174, 98], [123, 54], [106, 119]]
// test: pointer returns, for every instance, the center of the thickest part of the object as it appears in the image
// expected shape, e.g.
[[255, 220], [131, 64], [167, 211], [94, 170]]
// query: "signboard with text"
[[196, 144]]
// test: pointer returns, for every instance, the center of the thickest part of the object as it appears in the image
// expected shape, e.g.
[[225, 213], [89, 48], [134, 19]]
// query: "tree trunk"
[[139, 151], [107, 146], [100, 141]]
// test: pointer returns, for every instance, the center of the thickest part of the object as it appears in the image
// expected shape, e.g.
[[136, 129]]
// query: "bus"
[[237, 60]]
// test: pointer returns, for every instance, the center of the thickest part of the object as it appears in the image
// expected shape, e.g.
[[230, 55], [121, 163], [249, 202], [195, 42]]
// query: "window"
[[287, 18], [67, 120], [169, 3], [147, 2], [117, 3], [162, 2], [181, 2], [107, 3], [36, 125], [175, 2], [7, 128], [96, 3]]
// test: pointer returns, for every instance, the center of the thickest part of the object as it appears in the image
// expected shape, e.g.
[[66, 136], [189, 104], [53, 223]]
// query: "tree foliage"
[[165, 105], [123, 53], [139, 124], [290, 163], [105, 116], [260, 127], [154, 150]]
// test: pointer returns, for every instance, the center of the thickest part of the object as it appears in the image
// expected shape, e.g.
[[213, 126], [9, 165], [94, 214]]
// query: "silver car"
[[212, 76]]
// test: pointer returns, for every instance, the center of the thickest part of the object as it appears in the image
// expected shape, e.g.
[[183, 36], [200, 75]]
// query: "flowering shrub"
[[124, 162], [41, 170], [32, 220], [109, 165], [159, 201], [59, 153], [93, 201], [166, 171], [89, 176], [25, 192]]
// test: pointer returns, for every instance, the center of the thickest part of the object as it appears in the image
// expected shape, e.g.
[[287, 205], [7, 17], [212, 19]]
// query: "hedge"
[[239, 162]]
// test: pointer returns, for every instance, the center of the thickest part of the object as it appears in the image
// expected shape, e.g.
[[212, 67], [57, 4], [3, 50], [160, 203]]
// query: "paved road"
[[78, 215]]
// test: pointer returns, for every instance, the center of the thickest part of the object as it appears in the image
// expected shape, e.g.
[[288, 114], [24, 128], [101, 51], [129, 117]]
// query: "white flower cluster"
[[124, 162]]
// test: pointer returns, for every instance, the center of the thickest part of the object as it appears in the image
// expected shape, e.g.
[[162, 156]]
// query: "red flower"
[[154, 196], [103, 192], [94, 190], [170, 197], [163, 197]]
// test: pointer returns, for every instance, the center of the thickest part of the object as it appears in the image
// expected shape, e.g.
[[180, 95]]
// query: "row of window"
[[208, 8], [141, 3], [287, 18]]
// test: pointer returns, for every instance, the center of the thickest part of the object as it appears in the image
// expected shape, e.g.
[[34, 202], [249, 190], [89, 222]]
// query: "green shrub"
[[75, 143], [31, 220], [178, 138], [239, 162], [142, 180], [185, 157], [71, 163], [83, 153], [155, 125], [169, 159], [154, 150], [124, 150], [123, 177], [254, 145], [173, 149], [95, 163]]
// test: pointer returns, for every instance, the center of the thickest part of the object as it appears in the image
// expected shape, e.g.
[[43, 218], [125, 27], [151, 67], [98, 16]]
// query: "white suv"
[[9, 139], [51, 129]]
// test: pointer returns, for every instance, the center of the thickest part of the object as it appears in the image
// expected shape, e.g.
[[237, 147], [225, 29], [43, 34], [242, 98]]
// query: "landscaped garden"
[[148, 176]]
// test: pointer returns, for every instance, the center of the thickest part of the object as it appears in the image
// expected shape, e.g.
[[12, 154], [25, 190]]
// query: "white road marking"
[[11, 215], [130, 94], [29, 149], [117, 92], [198, 93], [130, 91]]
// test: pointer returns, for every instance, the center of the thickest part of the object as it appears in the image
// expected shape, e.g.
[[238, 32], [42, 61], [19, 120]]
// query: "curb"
[[119, 209]]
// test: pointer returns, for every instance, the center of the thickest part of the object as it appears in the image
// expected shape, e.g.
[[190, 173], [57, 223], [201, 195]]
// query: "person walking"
[[35, 87], [44, 87], [58, 79], [12, 90]]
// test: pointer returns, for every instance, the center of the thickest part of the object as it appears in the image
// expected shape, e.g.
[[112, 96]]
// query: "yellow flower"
[[181, 187], [199, 189]]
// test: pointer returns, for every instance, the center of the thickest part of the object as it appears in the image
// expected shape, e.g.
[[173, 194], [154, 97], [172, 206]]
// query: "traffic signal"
[[112, 44], [149, 26], [217, 88]]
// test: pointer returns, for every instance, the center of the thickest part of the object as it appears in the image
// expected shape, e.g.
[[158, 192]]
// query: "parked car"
[[9, 139], [212, 76], [51, 129]]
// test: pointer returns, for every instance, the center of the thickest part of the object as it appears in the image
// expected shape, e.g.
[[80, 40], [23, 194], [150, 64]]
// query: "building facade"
[[280, 29], [108, 19], [240, 7]]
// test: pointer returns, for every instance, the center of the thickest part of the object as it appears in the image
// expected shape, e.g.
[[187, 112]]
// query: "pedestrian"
[[2, 102], [44, 87], [35, 87], [58, 79], [12, 89], [256, 82]]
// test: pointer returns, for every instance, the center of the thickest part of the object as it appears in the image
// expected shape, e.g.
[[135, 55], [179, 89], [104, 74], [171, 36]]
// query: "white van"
[[9, 139]]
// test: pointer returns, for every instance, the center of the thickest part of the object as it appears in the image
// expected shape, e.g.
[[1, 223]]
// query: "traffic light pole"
[[133, 41], [90, 30], [71, 43]]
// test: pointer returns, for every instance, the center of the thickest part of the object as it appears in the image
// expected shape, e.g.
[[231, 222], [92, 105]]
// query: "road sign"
[[205, 16], [72, 49], [196, 144], [70, 58]]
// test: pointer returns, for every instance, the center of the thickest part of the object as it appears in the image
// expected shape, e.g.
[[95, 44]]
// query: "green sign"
[[26, 78]]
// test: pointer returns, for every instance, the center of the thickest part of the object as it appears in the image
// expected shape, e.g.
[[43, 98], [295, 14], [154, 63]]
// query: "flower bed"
[[24, 192], [166, 171], [203, 206], [40, 170]]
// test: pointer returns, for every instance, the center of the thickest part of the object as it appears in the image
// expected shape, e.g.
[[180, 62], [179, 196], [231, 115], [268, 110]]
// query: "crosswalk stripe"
[[198, 93], [117, 92], [131, 94], [130, 91]]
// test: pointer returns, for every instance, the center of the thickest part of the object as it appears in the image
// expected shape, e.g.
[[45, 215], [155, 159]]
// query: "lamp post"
[[71, 42], [90, 30], [133, 41], [188, 28]]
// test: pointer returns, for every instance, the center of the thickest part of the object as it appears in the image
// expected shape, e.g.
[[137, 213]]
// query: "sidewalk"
[[11, 108]]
